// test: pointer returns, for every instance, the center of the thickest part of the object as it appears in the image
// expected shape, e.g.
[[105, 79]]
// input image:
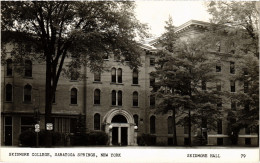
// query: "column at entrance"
[[119, 136]]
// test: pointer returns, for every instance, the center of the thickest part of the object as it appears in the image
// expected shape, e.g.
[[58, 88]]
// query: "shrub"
[[79, 139], [28, 138], [146, 140], [199, 140], [97, 138]]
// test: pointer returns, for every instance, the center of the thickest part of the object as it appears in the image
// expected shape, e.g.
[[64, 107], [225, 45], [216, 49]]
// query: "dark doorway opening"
[[124, 136], [115, 136]]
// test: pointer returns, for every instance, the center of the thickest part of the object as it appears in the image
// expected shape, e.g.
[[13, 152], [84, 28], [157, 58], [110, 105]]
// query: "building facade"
[[117, 101]]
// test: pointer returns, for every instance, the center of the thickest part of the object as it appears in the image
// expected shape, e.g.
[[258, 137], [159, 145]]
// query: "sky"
[[155, 13]]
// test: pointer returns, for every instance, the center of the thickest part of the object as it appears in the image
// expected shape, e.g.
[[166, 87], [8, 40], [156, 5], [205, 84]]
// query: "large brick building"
[[116, 101]]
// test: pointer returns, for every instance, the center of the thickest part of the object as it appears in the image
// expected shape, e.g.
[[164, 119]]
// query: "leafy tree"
[[237, 24], [82, 32], [182, 70]]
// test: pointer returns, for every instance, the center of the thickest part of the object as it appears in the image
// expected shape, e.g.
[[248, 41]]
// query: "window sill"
[[8, 101], [27, 102], [96, 104], [115, 105], [73, 104], [97, 82], [135, 85], [135, 106], [112, 83], [9, 76], [73, 80], [28, 77]]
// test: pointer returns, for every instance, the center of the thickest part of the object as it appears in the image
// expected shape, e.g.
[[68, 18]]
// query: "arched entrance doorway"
[[119, 124]]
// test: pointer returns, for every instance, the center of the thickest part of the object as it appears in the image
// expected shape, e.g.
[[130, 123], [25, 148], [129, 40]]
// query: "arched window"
[[113, 97], [136, 119], [113, 75], [119, 75], [73, 96], [96, 121], [8, 92], [27, 93], [135, 76], [119, 98], [97, 96], [9, 67], [170, 125], [135, 99], [152, 124], [97, 76], [28, 68]]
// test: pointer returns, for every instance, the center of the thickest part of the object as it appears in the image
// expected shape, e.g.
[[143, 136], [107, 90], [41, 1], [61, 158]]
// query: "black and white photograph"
[[129, 81]]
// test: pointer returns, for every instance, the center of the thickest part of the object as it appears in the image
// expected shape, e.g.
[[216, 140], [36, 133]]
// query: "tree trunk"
[[174, 128], [189, 127], [48, 102]]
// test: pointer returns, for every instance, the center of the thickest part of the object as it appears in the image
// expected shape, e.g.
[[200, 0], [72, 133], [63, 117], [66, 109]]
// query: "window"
[[65, 125], [152, 125], [247, 141], [74, 75], [219, 141], [28, 68], [27, 93], [152, 100], [186, 128], [113, 75], [135, 99], [73, 96], [186, 141], [232, 86], [203, 85], [170, 125], [152, 81], [97, 96], [245, 87], [9, 67], [232, 67], [233, 105], [170, 141], [119, 75], [96, 121], [8, 130], [219, 126], [219, 103], [135, 76], [152, 61], [113, 97], [119, 100], [136, 119], [27, 123], [97, 76], [218, 86], [8, 92], [218, 67]]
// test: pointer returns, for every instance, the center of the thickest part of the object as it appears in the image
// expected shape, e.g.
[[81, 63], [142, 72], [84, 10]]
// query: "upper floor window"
[[96, 121], [232, 67], [135, 99], [28, 68], [232, 86], [119, 98], [136, 119], [9, 92], [152, 61], [113, 75], [73, 96], [97, 96], [218, 67], [74, 75], [203, 85], [97, 76], [218, 85], [135, 76], [152, 81], [152, 100], [152, 124], [27, 93], [9, 67], [119, 75], [113, 97]]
